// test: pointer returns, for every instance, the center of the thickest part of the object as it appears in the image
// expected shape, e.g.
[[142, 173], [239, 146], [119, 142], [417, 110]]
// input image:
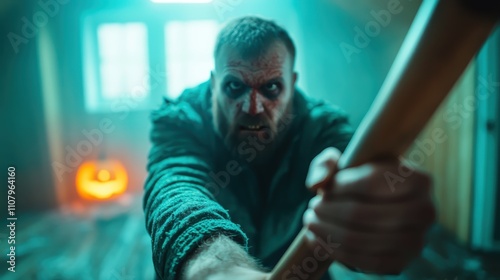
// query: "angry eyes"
[[235, 86], [235, 89]]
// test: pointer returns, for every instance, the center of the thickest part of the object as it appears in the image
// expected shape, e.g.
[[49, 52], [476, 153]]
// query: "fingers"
[[375, 181], [387, 180], [379, 226], [376, 217], [368, 243], [322, 169], [386, 253]]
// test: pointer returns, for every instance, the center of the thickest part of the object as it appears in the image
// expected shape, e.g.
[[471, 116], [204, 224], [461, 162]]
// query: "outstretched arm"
[[181, 213]]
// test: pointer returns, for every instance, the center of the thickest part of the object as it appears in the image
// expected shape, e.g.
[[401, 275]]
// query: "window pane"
[[123, 59], [189, 53]]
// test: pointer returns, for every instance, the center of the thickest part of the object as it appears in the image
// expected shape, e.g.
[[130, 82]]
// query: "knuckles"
[[417, 207], [310, 220]]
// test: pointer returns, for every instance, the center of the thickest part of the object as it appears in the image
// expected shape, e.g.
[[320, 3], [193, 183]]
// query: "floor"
[[80, 243], [109, 241]]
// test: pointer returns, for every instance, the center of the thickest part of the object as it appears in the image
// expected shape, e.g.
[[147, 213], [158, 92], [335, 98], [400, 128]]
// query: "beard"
[[254, 147]]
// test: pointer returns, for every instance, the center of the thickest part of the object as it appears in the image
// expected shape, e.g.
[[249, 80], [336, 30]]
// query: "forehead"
[[275, 57]]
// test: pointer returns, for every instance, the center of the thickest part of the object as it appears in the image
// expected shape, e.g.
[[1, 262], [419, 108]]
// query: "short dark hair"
[[252, 36]]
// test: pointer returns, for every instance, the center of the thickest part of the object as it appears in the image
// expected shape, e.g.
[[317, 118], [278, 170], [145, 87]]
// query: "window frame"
[[155, 17]]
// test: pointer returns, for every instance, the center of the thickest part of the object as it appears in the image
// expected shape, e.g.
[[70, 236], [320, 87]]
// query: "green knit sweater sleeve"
[[180, 212]]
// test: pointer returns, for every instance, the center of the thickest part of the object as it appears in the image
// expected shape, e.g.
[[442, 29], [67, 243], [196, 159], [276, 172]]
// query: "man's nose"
[[252, 104]]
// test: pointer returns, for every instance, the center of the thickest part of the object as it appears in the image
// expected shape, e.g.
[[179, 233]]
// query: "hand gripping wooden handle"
[[441, 42]]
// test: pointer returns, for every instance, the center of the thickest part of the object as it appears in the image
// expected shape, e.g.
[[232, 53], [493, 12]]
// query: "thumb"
[[322, 169]]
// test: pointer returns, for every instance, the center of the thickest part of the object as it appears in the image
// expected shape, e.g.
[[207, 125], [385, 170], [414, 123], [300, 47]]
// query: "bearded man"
[[232, 163]]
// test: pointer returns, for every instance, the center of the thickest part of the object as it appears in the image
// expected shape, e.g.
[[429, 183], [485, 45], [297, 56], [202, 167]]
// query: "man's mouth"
[[252, 127]]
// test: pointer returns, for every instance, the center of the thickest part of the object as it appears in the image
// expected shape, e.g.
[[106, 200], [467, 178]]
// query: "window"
[[189, 53], [123, 60], [115, 66], [132, 58]]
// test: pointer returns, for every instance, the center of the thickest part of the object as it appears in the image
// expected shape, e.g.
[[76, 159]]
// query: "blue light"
[[181, 1]]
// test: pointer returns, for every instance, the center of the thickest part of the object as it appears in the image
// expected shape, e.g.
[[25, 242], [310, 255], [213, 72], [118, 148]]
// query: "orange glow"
[[101, 179], [103, 175]]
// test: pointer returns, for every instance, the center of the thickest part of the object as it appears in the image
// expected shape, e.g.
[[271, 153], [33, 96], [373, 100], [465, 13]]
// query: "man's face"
[[252, 96]]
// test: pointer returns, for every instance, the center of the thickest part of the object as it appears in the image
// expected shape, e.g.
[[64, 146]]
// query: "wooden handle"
[[441, 42]]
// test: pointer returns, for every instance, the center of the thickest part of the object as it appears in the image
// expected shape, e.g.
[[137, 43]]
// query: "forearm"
[[179, 217], [218, 258]]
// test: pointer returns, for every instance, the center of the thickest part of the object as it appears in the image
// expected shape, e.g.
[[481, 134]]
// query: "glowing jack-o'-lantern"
[[101, 179]]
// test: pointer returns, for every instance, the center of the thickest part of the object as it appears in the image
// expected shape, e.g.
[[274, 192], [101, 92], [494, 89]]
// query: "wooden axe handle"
[[441, 42]]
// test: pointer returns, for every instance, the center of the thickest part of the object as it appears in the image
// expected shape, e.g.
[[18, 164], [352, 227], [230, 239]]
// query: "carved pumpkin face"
[[101, 179]]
